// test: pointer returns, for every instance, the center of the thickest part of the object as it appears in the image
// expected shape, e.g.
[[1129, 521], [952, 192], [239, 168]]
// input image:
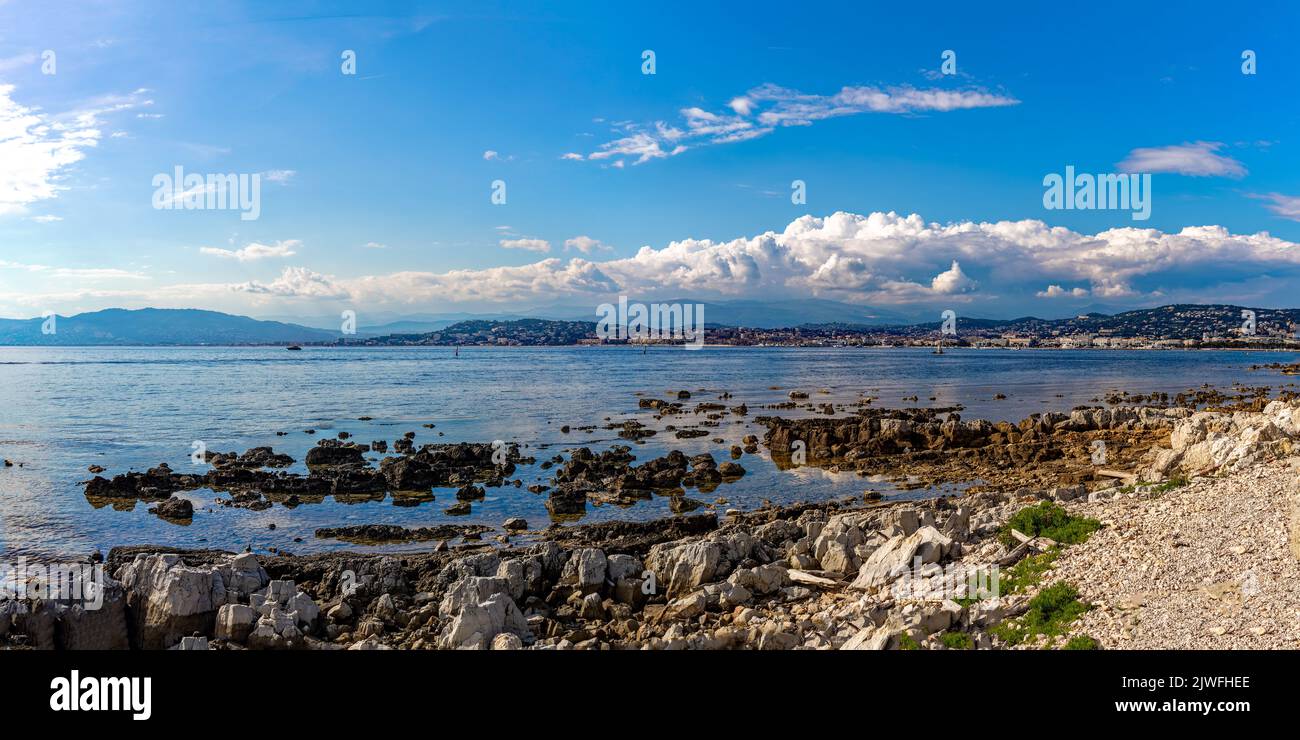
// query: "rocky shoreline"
[[1023, 560]]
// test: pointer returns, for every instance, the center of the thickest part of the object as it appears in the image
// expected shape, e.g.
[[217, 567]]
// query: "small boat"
[[294, 348]]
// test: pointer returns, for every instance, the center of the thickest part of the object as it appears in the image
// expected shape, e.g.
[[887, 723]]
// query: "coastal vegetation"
[[1050, 613], [1049, 520]]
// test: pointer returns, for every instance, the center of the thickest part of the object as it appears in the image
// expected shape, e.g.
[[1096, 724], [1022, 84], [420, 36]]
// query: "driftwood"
[[1120, 474], [810, 579]]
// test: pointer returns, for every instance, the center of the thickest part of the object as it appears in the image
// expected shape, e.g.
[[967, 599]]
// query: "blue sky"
[[375, 187]]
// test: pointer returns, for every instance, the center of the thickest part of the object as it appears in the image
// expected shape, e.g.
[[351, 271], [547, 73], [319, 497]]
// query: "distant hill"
[[157, 326], [1177, 321], [1184, 321], [405, 327], [386, 322], [160, 326], [774, 314], [527, 332]]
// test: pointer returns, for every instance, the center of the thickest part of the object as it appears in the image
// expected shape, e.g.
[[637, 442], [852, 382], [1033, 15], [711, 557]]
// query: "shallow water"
[[64, 409]]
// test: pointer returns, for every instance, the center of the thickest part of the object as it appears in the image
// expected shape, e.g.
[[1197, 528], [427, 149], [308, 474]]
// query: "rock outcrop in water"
[[335, 467], [610, 478], [937, 446]]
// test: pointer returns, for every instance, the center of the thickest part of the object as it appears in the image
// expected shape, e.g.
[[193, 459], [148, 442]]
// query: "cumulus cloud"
[[990, 268], [531, 245], [768, 107], [885, 258], [586, 245], [38, 148], [254, 251], [296, 282], [952, 281], [1199, 159], [1056, 291]]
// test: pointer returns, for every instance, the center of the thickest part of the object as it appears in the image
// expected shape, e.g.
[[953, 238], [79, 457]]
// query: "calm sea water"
[[62, 410]]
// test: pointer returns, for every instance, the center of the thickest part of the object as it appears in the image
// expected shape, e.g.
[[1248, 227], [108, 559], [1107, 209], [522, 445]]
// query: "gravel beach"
[[1208, 565]]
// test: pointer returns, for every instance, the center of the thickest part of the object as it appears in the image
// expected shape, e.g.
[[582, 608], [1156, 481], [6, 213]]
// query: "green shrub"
[[1082, 642], [1050, 612], [1026, 574], [1169, 485], [1050, 520], [958, 641], [905, 642]]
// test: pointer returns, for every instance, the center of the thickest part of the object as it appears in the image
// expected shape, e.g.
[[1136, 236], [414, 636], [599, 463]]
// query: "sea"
[[63, 410]]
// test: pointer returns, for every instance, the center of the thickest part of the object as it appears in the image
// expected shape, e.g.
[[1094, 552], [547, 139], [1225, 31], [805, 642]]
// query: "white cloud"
[[73, 273], [572, 156], [296, 282], [874, 259], [1286, 206], [254, 251], [490, 155], [37, 148], [46, 219], [375, 245], [531, 245], [764, 109], [952, 281], [1199, 159], [1056, 291], [742, 105], [586, 245], [279, 176], [95, 273]]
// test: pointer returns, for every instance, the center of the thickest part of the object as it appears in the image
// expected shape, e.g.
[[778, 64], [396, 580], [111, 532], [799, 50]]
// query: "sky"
[[421, 157]]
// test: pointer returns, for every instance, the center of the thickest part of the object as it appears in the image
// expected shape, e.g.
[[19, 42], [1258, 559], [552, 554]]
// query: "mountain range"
[[756, 314], [177, 327], [155, 326]]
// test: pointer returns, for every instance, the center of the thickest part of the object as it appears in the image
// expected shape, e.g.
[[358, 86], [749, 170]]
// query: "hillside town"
[[1167, 327]]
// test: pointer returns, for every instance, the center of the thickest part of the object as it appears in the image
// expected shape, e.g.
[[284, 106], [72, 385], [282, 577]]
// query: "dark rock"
[[174, 508]]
